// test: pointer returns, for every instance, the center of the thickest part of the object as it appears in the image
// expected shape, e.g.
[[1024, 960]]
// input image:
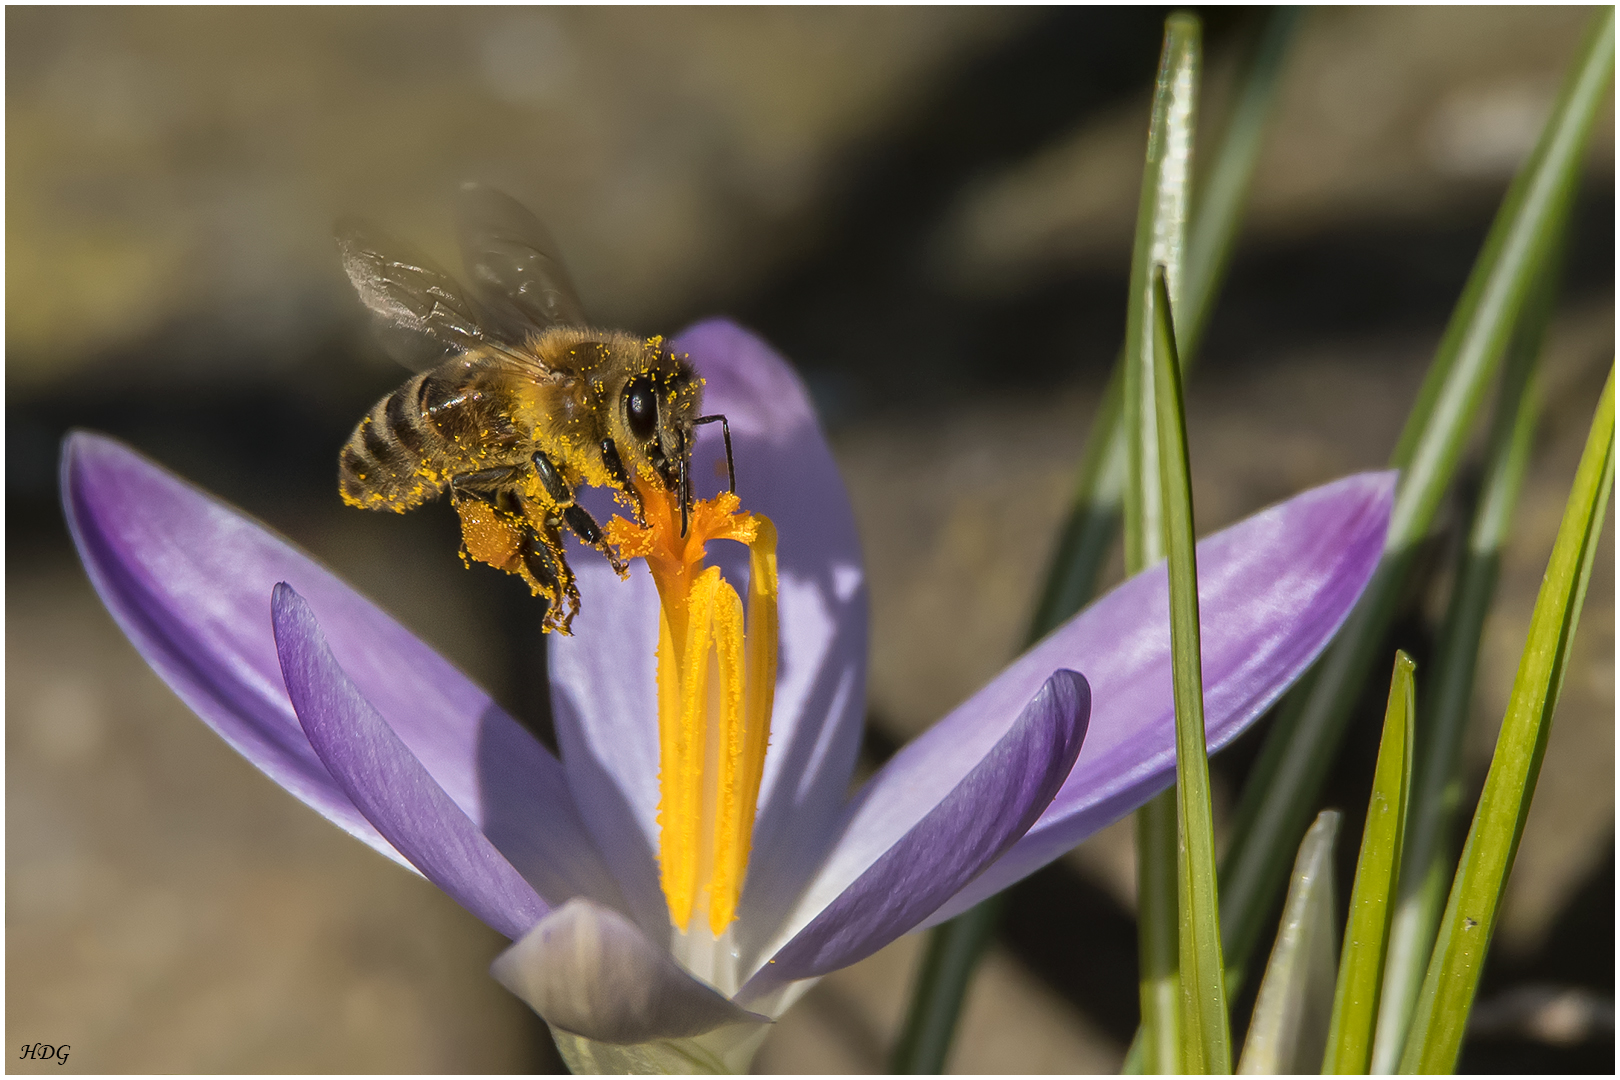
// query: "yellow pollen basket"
[[716, 685]]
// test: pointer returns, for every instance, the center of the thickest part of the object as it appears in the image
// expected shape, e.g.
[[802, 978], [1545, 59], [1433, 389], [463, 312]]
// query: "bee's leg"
[[725, 429], [550, 479], [499, 530], [550, 572], [486, 486], [485, 479], [582, 525], [542, 564], [462, 497], [542, 555], [511, 503], [621, 477], [576, 517]]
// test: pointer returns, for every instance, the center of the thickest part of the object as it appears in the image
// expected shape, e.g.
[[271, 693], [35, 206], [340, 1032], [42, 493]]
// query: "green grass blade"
[[1224, 188], [1285, 782], [1101, 495], [1161, 230], [1161, 224], [952, 954], [1493, 839], [1098, 509], [1094, 518], [1158, 943], [1098, 506], [1483, 320], [1430, 856], [1361, 964], [1205, 1034], [1290, 1020]]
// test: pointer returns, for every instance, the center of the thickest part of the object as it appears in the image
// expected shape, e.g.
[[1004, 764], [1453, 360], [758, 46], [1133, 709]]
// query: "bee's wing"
[[514, 265], [421, 313]]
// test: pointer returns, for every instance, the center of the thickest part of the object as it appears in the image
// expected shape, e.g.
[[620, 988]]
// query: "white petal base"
[[590, 971], [725, 1050]]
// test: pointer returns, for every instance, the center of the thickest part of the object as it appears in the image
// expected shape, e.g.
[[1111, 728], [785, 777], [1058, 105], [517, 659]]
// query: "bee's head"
[[654, 416]]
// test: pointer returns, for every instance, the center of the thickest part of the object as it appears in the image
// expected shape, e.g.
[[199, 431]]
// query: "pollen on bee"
[[488, 536], [508, 542]]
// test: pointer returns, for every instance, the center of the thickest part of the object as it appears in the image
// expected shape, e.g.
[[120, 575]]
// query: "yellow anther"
[[716, 685]]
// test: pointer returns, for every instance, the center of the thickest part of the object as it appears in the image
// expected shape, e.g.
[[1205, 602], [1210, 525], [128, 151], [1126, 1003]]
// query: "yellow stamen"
[[747, 729], [716, 685]]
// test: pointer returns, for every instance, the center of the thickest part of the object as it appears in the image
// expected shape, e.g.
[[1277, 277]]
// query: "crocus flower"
[[343, 707]]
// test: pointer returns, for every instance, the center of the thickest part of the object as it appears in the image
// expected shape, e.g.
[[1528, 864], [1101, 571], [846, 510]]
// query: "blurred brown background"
[[930, 211]]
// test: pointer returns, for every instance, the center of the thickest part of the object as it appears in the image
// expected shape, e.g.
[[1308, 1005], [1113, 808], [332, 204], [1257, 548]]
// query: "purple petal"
[[139, 531], [189, 580], [978, 820], [588, 970], [388, 784], [1272, 592], [606, 719], [603, 678]]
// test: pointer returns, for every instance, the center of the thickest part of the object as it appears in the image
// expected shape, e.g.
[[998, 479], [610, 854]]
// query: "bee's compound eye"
[[641, 408]]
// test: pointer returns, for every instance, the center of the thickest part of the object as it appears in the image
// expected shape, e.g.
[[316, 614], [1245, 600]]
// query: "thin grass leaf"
[[1158, 942], [1224, 189], [1290, 1022], [1095, 515], [1493, 839], [1525, 231], [1205, 1031], [1161, 230], [953, 953], [1098, 507], [1286, 781], [1430, 852], [1361, 964], [1161, 226]]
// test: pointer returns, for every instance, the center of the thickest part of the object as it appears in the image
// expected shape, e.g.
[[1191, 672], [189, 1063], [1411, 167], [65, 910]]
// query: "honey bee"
[[517, 403]]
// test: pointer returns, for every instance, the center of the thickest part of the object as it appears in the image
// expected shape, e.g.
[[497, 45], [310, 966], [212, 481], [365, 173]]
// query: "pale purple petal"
[[1272, 592], [603, 678], [137, 529], [967, 830], [388, 784], [589, 970], [189, 580], [606, 719]]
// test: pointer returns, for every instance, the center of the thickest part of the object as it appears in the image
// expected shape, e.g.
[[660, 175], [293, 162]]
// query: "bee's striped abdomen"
[[391, 460]]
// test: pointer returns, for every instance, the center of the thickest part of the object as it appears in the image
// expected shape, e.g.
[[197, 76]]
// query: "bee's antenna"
[[686, 483], [725, 429]]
